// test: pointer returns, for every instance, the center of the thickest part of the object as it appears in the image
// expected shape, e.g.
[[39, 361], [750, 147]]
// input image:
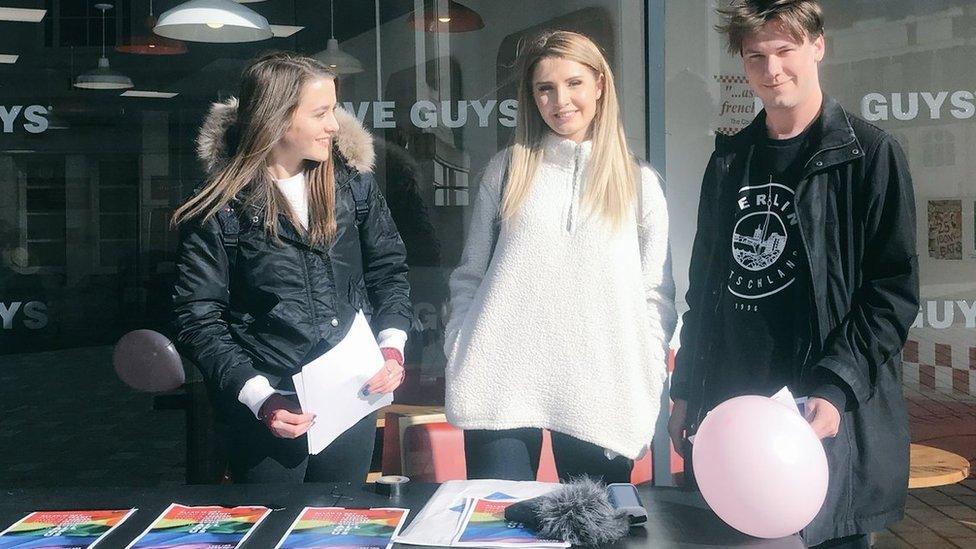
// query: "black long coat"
[[856, 212]]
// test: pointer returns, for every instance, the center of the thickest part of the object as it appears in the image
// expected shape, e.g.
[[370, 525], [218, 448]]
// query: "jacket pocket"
[[358, 296]]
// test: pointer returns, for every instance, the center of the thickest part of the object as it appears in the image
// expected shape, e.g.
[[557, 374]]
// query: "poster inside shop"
[[62, 529], [738, 105], [945, 229]]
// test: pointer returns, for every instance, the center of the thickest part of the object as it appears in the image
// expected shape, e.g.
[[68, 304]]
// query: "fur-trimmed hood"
[[353, 142]]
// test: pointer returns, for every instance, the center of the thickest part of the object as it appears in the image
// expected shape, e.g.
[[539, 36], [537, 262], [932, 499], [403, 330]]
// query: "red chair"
[[419, 443], [432, 450]]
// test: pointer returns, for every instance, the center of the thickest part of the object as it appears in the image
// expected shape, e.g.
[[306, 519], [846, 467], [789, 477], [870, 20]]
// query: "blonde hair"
[[270, 91], [611, 175]]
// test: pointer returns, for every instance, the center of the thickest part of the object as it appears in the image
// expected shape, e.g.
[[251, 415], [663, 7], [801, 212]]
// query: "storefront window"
[[91, 176]]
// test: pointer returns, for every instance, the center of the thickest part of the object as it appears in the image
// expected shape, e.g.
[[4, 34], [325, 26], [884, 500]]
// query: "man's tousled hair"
[[801, 18]]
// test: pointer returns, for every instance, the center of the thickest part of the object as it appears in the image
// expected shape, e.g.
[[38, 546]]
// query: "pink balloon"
[[760, 466]]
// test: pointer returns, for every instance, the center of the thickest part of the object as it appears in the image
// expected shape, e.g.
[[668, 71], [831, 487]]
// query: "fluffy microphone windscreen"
[[580, 513]]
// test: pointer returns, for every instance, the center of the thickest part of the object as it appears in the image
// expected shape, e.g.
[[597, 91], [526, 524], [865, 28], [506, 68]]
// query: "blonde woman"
[[563, 302], [281, 247]]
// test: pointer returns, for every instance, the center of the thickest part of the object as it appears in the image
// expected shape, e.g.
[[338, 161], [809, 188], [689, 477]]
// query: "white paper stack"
[[331, 385]]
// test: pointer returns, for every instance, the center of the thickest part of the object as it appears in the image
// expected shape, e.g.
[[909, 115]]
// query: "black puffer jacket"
[[856, 209], [266, 308]]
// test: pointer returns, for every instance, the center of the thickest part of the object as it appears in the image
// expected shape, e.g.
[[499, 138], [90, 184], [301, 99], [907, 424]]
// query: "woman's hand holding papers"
[[284, 417], [387, 379]]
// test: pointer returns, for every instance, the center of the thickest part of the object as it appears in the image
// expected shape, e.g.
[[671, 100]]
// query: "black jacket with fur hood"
[[266, 307]]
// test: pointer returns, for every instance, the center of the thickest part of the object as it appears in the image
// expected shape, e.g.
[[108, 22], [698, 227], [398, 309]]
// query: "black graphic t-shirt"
[[764, 300]]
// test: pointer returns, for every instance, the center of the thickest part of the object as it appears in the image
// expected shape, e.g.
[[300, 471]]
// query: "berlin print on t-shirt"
[[765, 245]]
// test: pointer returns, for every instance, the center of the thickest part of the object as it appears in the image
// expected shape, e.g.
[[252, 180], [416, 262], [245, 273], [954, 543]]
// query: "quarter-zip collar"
[[562, 152], [569, 156]]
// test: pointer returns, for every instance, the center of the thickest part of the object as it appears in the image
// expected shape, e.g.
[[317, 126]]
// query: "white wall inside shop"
[[693, 55], [907, 56]]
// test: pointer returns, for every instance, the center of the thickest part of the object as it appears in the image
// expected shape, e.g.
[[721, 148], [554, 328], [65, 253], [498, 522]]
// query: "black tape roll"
[[391, 485]]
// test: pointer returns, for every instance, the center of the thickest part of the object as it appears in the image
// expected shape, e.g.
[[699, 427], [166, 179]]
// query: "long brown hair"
[[611, 178], [270, 91]]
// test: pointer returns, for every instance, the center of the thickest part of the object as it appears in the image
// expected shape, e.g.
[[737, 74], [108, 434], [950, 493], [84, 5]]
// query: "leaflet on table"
[[484, 525], [442, 517], [62, 529], [334, 527], [331, 385], [210, 527]]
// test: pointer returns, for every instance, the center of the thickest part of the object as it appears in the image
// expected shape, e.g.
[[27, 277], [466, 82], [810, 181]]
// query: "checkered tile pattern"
[[728, 131], [944, 366], [730, 78]]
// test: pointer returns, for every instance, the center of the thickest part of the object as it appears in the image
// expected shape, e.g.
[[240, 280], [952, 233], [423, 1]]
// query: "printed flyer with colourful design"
[[62, 529], [209, 527], [484, 525], [333, 527]]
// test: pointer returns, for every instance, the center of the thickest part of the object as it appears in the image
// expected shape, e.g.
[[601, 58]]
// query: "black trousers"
[[513, 454], [255, 456]]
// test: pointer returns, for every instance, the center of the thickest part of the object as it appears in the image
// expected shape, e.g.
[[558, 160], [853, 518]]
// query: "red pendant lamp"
[[459, 18], [148, 43]]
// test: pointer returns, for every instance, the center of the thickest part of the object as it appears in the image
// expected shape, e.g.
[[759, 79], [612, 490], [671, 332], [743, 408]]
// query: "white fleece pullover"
[[567, 327]]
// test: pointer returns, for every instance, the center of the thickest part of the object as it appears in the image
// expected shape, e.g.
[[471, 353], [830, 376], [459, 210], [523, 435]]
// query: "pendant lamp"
[[102, 77], [459, 18], [216, 21], [148, 43], [334, 58]]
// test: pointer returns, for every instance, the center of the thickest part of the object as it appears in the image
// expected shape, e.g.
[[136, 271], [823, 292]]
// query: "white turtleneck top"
[[567, 326]]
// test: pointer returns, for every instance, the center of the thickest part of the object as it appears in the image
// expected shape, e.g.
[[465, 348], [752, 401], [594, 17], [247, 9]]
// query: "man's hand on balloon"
[[823, 417], [677, 424]]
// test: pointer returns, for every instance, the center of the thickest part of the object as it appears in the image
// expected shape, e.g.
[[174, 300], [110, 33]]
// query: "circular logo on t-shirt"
[[764, 242], [758, 240]]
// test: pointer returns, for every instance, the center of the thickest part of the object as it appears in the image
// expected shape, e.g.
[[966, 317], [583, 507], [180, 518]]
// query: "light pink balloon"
[[760, 466]]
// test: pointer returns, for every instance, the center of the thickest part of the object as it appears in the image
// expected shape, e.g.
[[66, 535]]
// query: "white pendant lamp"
[[103, 78], [217, 21], [334, 58]]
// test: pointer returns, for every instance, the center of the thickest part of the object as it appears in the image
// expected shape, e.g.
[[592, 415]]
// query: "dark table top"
[[676, 518]]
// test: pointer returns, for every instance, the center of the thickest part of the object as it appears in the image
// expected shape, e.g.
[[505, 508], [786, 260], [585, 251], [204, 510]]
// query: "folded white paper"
[[785, 397]]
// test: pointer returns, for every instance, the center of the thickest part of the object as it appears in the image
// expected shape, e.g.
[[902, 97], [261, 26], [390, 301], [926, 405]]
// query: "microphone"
[[580, 512]]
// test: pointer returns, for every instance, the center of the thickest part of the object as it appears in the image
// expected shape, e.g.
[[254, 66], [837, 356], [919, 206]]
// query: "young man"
[[804, 272]]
